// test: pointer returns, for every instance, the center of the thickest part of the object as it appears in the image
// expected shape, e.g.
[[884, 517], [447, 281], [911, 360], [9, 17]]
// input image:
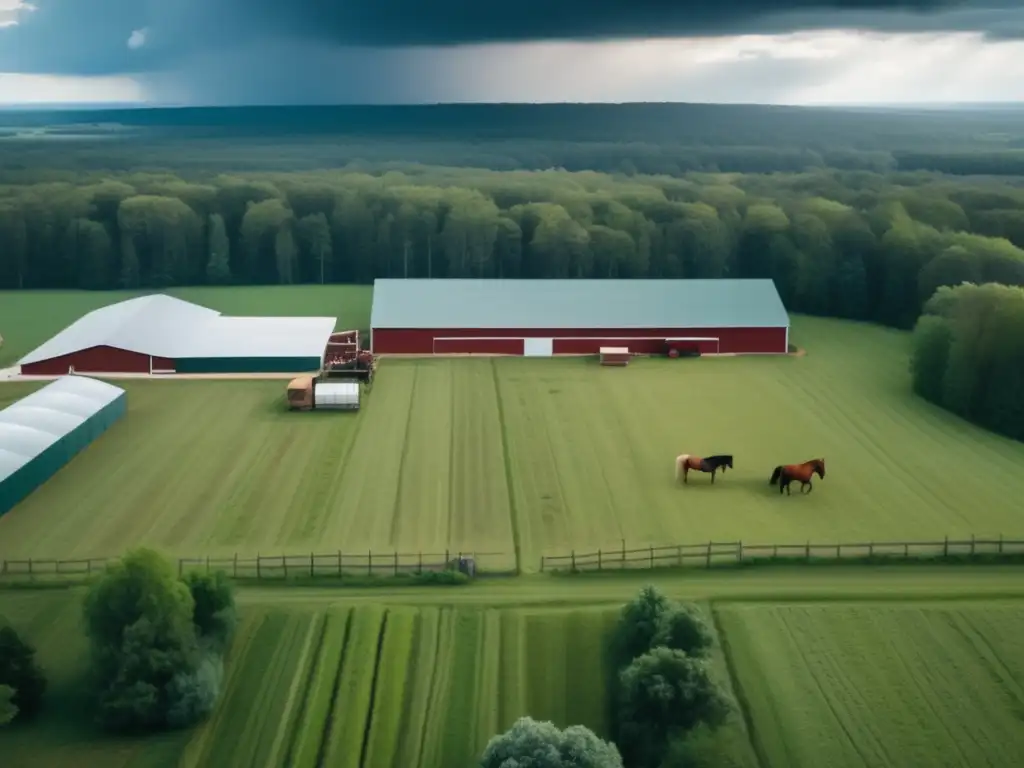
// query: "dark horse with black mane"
[[712, 464], [786, 474]]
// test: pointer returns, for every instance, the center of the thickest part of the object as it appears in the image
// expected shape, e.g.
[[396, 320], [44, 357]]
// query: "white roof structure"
[[163, 326], [34, 423]]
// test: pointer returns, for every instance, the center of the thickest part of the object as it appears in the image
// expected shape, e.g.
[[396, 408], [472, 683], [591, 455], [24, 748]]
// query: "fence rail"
[[279, 567], [720, 553]]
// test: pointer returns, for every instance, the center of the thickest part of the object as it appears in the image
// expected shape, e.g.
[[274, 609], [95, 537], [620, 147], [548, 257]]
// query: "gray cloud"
[[76, 37]]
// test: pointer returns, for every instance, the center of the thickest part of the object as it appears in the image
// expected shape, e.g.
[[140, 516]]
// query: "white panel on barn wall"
[[538, 347]]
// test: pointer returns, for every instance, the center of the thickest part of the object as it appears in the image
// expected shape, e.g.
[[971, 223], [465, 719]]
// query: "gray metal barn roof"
[[577, 304], [37, 421], [164, 326]]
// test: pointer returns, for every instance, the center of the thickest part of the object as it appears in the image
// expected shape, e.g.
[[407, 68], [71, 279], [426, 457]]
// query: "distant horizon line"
[[134, 105]]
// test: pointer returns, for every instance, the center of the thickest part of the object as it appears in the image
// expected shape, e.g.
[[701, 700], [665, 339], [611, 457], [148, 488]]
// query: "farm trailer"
[[307, 393]]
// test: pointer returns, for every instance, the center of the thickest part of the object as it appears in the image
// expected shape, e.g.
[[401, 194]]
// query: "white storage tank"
[[339, 395]]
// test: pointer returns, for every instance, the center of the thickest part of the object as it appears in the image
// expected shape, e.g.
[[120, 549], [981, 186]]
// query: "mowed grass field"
[[28, 318], [869, 685], [525, 457], [372, 678]]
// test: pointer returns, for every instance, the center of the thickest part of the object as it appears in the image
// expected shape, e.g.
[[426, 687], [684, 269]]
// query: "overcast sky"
[[408, 51]]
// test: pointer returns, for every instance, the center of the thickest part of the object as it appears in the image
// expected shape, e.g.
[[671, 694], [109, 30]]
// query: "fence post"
[[599, 559], [679, 553], [739, 551], [446, 558], [259, 574], [1000, 543], [707, 556], [839, 551], [622, 563], [339, 563], [573, 555], [542, 563], [871, 549], [235, 569], [906, 550], [420, 568], [972, 545], [945, 548], [30, 566], [284, 565], [775, 551], [396, 563], [311, 565], [807, 552], [369, 562], [652, 557]]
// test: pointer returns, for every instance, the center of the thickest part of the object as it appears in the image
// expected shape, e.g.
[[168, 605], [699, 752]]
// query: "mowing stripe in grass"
[[352, 709], [368, 723], [394, 678], [736, 684], [439, 708], [396, 509], [422, 675], [296, 703], [507, 461], [328, 724]]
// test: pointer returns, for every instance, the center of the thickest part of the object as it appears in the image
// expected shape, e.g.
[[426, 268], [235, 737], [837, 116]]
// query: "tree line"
[[968, 354], [863, 246]]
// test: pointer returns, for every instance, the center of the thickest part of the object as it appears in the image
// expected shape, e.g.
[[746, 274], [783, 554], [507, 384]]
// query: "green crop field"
[[532, 456], [342, 685], [380, 678], [870, 685], [28, 318]]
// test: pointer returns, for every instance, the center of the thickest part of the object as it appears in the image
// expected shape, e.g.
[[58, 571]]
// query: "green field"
[[869, 685], [532, 456], [923, 678], [28, 318]]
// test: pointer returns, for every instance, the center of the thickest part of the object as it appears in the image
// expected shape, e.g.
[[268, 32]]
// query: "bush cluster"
[[665, 690], [157, 643], [22, 683]]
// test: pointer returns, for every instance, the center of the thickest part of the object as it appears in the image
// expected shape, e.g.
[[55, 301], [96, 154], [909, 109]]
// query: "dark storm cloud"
[[90, 37]]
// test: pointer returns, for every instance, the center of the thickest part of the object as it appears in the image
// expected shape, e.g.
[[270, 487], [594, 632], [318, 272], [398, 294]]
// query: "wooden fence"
[[737, 553], [279, 567]]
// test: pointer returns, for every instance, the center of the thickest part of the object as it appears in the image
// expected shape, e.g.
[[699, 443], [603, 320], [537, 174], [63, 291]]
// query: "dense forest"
[[850, 244]]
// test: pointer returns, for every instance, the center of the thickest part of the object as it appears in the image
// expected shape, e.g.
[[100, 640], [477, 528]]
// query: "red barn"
[[574, 317]]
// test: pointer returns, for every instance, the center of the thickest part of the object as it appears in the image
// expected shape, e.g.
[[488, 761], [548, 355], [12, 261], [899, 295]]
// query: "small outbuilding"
[[42, 432], [540, 318]]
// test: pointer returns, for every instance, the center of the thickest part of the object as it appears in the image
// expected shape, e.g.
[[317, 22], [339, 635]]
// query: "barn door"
[[538, 347]]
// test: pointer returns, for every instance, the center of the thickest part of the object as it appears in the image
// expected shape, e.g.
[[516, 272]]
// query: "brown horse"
[[686, 462], [784, 475]]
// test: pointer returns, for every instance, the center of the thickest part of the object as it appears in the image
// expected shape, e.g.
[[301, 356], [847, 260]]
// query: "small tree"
[[20, 672], [683, 628], [663, 694], [214, 614], [8, 710], [532, 744], [146, 655], [638, 623]]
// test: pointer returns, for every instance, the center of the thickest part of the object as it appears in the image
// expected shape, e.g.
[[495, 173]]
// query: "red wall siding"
[[420, 341], [163, 364], [478, 346], [92, 360]]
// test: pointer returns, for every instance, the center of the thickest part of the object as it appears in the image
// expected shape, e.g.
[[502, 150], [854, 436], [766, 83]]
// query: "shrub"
[[19, 671], [532, 744], [638, 623], [664, 694], [682, 628], [147, 662], [214, 614], [8, 710]]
